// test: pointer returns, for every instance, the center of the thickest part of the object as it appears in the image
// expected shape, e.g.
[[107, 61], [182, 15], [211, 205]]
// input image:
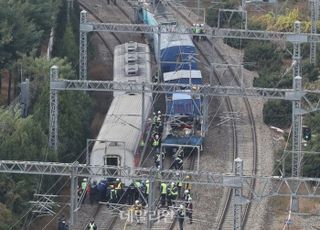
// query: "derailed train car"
[[183, 115], [117, 143]]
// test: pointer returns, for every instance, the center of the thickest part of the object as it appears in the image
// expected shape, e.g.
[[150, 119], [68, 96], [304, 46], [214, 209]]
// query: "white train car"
[[118, 141]]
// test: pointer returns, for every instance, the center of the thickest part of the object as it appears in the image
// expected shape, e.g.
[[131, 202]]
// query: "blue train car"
[[183, 111]]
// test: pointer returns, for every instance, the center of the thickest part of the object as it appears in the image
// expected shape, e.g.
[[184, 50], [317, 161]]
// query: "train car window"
[[112, 160]]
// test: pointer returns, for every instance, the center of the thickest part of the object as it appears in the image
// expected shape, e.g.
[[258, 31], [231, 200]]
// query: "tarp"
[[176, 54], [189, 140]]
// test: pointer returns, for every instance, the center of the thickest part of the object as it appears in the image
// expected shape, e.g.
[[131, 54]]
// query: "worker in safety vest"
[[163, 191], [147, 190], [159, 157], [141, 145], [113, 194], [154, 119], [159, 118], [181, 215], [119, 189], [172, 194], [137, 186], [197, 31], [179, 187], [178, 163], [193, 31], [84, 185], [137, 207], [189, 209], [202, 31], [186, 184], [187, 195], [180, 152], [130, 194], [92, 226], [156, 143]]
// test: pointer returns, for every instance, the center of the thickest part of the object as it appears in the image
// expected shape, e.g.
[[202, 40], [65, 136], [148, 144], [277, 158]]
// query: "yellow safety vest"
[[84, 185], [148, 188], [163, 188], [91, 226]]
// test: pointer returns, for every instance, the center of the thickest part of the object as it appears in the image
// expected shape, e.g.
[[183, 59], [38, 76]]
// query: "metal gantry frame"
[[267, 186]]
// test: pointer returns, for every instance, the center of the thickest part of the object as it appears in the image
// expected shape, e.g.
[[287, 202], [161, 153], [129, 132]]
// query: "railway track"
[[112, 38], [235, 130], [230, 108]]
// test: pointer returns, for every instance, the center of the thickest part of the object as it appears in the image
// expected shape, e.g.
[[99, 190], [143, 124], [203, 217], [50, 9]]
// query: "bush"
[[277, 113]]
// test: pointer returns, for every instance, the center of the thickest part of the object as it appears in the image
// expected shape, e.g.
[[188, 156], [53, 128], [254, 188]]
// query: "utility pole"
[[237, 195], [73, 192], [296, 111], [314, 10], [83, 46], [69, 9], [53, 118], [151, 198]]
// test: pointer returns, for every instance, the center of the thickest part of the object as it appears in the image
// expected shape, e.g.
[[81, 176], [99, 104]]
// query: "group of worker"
[[157, 128], [198, 29], [172, 194]]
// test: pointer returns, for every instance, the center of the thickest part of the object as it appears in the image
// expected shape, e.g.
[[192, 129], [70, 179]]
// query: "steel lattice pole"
[[237, 195], [83, 48], [53, 117], [314, 10], [296, 112]]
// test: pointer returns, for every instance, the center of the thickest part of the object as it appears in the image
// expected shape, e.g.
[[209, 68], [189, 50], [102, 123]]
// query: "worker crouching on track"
[[137, 208]]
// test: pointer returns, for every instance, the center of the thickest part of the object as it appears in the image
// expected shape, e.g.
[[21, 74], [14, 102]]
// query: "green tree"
[[18, 34], [75, 108], [277, 113]]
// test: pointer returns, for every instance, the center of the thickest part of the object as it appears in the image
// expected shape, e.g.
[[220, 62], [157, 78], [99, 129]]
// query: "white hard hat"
[[197, 25], [181, 206], [117, 179], [202, 25], [186, 191], [137, 202], [157, 136], [84, 179], [172, 183], [189, 199], [154, 113], [159, 112], [147, 181]]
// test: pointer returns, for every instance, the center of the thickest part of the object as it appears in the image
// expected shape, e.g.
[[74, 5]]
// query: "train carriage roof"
[[183, 77], [172, 40], [121, 124]]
